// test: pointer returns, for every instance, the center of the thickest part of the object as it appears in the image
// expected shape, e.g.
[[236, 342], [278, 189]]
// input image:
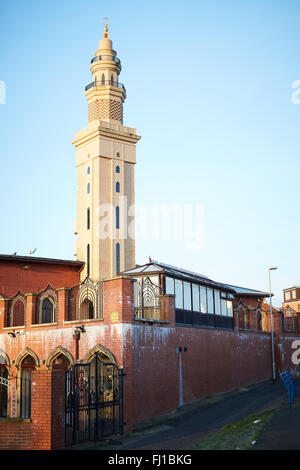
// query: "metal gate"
[[94, 401]]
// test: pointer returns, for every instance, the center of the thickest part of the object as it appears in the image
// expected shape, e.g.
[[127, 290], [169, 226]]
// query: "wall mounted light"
[[13, 334], [79, 329]]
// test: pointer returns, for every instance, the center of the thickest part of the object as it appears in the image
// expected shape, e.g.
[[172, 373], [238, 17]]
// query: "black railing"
[[196, 319], [105, 83], [106, 57], [94, 401]]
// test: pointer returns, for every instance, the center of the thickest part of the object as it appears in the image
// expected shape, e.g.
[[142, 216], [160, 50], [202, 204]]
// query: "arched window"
[[61, 362], [47, 311], [117, 169], [88, 170], [117, 217], [19, 313], [16, 312], [27, 365], [88, 188], [117, 187], [87, 310], [112, 79], [88, 217], [3, 392], [103, 79], [88, 260], [118, 258]]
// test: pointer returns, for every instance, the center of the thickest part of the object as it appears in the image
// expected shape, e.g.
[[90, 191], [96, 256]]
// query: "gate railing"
[[94, 401]]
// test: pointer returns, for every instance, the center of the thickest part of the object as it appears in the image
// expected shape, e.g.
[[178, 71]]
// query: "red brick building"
[[177, 336]]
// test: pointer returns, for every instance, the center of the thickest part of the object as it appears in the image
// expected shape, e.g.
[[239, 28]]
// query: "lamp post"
[[272, 333]]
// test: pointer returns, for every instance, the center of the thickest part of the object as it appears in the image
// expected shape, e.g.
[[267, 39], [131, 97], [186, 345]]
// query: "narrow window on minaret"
[[112, 79], [117, 217], [103, 79], [88, 188], [88, 170], [88, 216], [88, 260], [118, 258], [117, 187], [117, 169]]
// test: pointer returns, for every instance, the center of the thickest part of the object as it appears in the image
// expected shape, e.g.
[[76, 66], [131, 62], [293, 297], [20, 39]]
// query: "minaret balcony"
[[106, 83], [106, 57]]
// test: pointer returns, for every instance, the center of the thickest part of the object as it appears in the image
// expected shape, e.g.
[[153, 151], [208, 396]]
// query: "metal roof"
[[174, 271], [248, 292], [34, 259]]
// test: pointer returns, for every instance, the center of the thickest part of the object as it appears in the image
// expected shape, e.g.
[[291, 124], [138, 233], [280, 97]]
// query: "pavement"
[[283, 431], [192, 423]]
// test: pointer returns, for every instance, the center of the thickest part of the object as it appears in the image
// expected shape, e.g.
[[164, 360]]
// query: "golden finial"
[[106, 22]]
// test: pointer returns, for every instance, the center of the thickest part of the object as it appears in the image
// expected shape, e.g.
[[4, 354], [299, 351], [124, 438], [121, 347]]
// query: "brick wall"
[[215, 361], [45, 429], [15, 434]]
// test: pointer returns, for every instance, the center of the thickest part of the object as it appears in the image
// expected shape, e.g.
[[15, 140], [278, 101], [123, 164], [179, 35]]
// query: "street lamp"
[[272, 334]]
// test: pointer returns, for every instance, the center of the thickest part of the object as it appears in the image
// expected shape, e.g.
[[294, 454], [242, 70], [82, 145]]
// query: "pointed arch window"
[[88, 254], [88, 170], [47, 311], [88, 188], [112, 79], [118, 257], [103, 79], [27, 365], [118, 169], [3, 391], [88, 218], [117, 217], [117, 187]]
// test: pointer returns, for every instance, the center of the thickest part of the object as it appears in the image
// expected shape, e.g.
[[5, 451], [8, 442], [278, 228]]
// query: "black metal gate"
[[94, 401]]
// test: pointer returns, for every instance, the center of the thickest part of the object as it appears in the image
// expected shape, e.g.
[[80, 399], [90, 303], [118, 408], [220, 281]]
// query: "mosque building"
[[94, 347]]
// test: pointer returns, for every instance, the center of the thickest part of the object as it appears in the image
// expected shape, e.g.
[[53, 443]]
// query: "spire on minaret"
[[106, 22], [105, 95]]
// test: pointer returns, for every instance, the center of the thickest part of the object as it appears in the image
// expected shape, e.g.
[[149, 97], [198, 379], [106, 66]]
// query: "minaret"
[[105, 160]]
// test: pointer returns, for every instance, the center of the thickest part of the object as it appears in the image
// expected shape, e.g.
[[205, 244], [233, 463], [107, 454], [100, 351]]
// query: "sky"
[[209, 89]]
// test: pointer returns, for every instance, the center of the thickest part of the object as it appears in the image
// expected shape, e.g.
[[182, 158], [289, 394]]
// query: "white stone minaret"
[[105, 160]]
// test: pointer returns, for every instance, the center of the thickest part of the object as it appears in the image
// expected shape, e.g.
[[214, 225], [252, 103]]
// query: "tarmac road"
[[182, 432]]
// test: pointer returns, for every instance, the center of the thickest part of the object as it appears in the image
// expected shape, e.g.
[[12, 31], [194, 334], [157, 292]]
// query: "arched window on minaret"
[[117, 187], [111, 79], [88, 217], [117, 217], [117, 169], [118, 258], [103, 79], [88, 188], [88, 170], [88, 260]]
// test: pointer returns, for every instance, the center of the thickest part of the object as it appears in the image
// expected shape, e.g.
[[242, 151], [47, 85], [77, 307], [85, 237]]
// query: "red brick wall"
[[13, 277], [15, 434], [215, 362], [45, 429]]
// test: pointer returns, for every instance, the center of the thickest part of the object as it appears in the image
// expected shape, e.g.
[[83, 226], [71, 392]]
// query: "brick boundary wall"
[[45, 430], [15, 434]]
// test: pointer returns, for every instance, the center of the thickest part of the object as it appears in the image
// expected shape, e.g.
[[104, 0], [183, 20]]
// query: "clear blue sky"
[[208, 88]]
